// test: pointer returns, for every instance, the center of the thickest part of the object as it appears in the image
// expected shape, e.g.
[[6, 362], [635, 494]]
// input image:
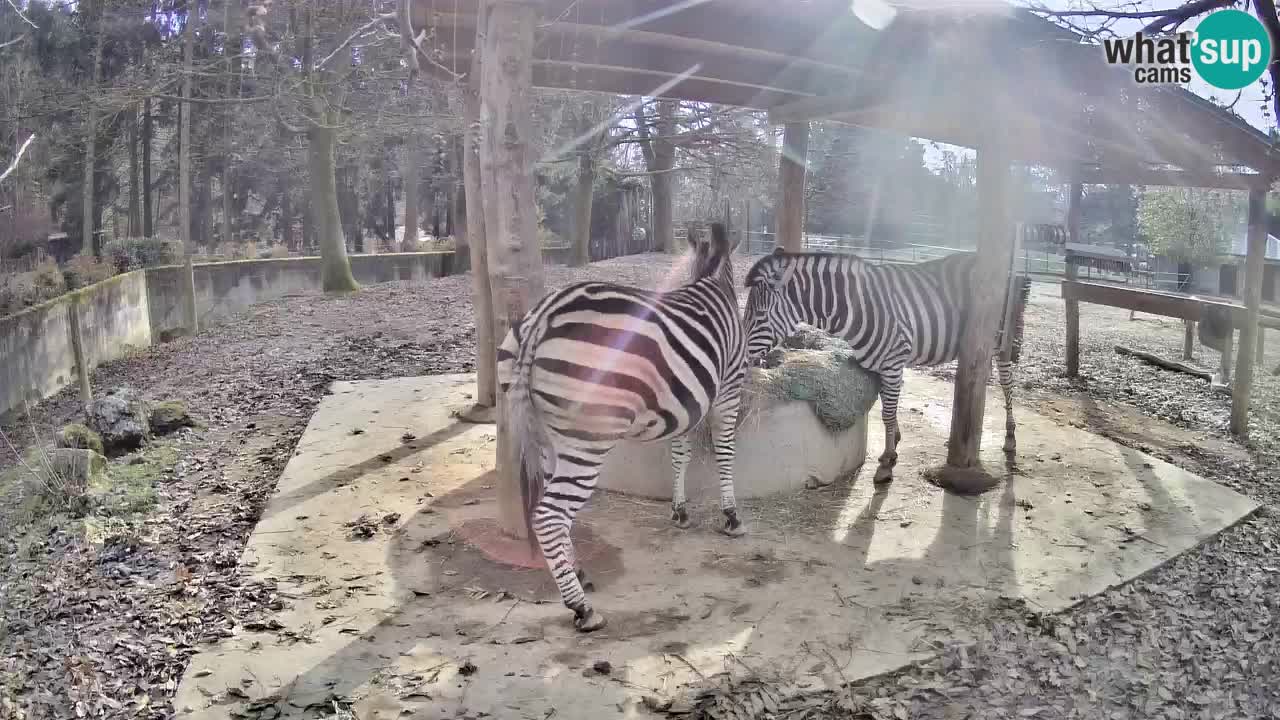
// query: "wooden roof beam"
[[1170, 178], [565, 30]]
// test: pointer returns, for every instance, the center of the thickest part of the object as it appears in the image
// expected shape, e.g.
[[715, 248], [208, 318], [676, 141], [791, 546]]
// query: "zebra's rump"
[[614, 361]]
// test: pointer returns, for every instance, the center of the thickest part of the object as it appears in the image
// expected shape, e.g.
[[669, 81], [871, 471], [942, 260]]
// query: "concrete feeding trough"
[[803, 424]]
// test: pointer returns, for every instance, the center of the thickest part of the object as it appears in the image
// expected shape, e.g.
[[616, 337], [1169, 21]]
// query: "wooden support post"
[[791, 176], [77, 350], [506, 186], [1188, 338], [1252, 302], [983, 310], [190, 314], [1073, 306], [485, 407], [1228, 353]]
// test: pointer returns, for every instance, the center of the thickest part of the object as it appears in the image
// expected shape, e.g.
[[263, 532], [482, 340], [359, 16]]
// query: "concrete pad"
[[780, 448], [829, 585]]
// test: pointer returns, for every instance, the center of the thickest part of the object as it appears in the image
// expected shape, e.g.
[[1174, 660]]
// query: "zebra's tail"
[[525, 424]]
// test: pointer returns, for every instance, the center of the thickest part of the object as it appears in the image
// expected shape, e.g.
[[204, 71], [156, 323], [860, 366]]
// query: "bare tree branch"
[[14, 41], [1266, 11], [359, 33], [17, 158], [25, 19], [1185, 13], [1100, 12]]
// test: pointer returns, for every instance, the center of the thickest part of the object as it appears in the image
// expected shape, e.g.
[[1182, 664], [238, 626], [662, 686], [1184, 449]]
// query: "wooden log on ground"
[[1160, 362]]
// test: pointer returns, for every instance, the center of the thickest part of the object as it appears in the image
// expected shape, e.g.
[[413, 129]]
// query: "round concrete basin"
[[780, 448]]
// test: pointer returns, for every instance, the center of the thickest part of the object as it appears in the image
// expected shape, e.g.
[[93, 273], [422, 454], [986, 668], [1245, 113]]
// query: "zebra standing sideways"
[[893, 316], [597, 363]]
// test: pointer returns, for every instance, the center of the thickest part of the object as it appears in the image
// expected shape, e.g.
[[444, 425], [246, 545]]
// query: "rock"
[[79, 437], [168, 416], [122, 419]]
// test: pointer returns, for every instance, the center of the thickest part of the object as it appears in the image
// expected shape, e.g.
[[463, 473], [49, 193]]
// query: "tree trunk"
[[336, 268], [664, 238], [349, 205], [184, 135], [308, 226], [791, 179], [412, 184], [510, 216], [204, 201], [286, 214], [458, 211], [583, 195], [659, 159], [184, 170], [449, 160], [477, 242], [231, 25], [135, 204], [91, 140], [391, 203], [148, 217]]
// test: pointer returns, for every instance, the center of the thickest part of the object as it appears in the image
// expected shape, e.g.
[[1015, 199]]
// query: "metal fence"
[[1032, 262]]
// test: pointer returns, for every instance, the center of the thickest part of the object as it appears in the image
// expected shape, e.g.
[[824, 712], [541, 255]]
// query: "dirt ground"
[[103, 625]]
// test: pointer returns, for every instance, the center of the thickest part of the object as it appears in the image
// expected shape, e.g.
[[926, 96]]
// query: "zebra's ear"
[[780, 280]]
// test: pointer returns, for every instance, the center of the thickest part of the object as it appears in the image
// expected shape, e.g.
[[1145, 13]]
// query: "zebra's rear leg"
[[1004, 370], [890, 389], [552, 521], [724, 429], [681, 450]]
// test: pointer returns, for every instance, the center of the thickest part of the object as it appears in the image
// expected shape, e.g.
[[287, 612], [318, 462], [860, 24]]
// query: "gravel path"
[[109, 625]]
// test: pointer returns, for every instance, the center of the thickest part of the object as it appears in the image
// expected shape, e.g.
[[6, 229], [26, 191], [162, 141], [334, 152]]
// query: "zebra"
[[893, 316], [597, 363]]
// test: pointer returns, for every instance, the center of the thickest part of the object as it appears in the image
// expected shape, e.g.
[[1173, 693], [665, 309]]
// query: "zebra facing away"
[[597, 363], [893, 316]]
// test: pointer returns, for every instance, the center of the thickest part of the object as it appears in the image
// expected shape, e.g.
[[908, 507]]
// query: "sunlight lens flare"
[[876, 14]]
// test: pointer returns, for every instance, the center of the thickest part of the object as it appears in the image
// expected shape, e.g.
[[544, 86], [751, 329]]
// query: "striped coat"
[[596, 363], [893, 316]]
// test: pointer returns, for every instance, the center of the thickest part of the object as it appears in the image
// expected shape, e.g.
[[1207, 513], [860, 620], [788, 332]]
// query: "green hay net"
[[815, 367]]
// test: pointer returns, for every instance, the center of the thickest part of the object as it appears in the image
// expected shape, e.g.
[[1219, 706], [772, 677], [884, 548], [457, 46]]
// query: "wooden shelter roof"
[[944, 72]]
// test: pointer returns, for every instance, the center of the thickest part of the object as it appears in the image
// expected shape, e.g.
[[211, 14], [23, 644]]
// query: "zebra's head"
[[770, 315], [713, 256]]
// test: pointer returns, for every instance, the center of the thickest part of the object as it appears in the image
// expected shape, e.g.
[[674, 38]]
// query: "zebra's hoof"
[[733, 527], [587, 585], [680, 516], [883, 476], [1010, 446], [589, 622]]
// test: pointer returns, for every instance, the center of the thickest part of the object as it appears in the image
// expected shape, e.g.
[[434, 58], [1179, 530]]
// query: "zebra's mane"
[[757, 271]]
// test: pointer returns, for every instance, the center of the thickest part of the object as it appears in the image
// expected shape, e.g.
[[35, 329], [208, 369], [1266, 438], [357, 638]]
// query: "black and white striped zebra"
[[597, 363], [893, 316]]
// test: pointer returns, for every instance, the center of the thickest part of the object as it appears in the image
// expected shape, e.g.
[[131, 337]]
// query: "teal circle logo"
[[1232, 49]]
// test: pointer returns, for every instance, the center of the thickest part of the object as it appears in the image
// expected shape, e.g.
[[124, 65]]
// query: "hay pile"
[[813, 366]]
